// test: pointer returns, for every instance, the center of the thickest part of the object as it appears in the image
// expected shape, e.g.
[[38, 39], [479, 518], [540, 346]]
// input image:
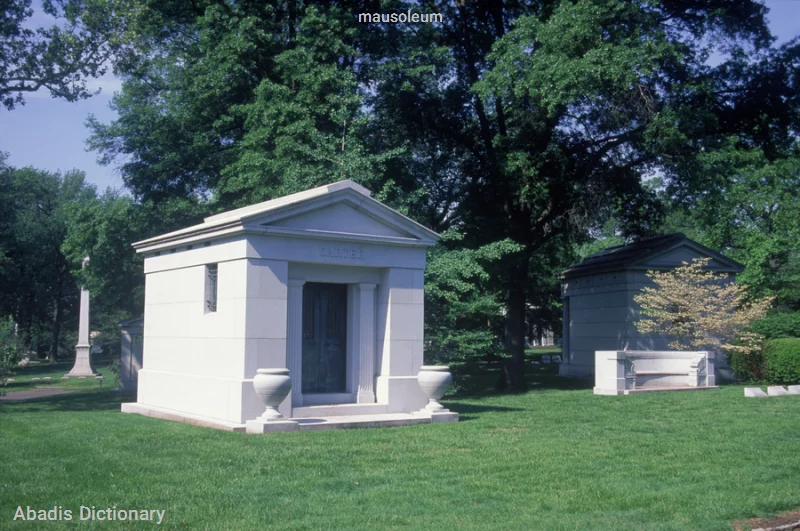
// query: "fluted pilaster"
[[294, 339], [366, 343]]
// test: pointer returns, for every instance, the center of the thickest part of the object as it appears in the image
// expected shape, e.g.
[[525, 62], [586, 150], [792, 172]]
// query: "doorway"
[[324, 356]]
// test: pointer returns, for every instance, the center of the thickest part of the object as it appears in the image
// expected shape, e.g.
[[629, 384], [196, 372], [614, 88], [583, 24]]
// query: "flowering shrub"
[[701, 309]]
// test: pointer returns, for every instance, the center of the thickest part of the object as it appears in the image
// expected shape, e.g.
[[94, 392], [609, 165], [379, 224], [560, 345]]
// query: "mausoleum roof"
[[380, 222], [643, 253]]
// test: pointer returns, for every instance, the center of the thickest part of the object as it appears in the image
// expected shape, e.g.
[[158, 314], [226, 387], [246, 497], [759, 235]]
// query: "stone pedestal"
[[83, 363], [270, 426], [444, 416]]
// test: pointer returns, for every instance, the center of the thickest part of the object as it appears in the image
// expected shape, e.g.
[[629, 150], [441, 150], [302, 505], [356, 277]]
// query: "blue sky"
[[51, 134]]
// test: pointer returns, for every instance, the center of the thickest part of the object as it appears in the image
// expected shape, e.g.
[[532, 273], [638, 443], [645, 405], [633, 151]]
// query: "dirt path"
[[36, 393]]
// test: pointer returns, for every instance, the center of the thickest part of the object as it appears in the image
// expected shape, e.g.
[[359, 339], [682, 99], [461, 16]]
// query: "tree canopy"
[[522, 129], [60, 58]]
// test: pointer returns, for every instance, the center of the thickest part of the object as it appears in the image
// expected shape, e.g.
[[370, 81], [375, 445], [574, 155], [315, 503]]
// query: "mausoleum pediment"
[[685, 253], [342, 210], [662, 252], [342, 218]]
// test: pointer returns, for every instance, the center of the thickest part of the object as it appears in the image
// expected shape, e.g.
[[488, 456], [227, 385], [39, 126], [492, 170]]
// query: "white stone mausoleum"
[[327, 283]]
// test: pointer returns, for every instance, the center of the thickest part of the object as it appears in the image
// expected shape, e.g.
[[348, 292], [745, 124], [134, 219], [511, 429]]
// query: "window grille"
[[211, 288]]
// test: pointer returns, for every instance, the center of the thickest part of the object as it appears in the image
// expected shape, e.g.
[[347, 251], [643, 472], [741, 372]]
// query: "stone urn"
[[272, 386], [433, 381]]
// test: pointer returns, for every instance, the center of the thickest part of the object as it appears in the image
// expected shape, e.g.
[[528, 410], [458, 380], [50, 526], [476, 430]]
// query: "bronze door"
[[324, 338]]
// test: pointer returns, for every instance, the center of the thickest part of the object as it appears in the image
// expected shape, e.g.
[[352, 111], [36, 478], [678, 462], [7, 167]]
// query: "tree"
[[239, 103], [103, 228], [36, 278], [305, 124], [60, 58], [700, 309], [462, 310], [554, 111], [748, 206], [527, 122]]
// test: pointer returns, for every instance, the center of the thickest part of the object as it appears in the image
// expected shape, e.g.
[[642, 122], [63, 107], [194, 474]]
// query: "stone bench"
[[626, 371]]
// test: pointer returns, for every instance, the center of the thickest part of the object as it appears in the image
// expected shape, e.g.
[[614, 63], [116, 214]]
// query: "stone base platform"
[[169, 414], [340, 422], [642, 390]]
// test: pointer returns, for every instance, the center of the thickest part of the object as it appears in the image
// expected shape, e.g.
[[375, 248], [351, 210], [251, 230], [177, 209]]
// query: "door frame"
[[355, 278], [351, 365]]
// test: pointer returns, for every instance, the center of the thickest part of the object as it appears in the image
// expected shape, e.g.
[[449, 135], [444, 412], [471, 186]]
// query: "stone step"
[[640, 390], [664, 373], [360, 421], [339, 410]]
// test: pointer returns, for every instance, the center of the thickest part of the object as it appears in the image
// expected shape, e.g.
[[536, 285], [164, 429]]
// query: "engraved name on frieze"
[[344, 253]]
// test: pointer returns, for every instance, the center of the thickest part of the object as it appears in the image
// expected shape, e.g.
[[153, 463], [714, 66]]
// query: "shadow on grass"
[[106, 400], [467, 412], [480, 381], [554, 381]]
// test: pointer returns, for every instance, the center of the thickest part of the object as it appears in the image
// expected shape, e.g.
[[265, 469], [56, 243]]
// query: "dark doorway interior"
[[324, 338]]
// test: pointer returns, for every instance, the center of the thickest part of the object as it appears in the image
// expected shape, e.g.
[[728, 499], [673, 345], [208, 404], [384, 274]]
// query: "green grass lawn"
[[556, 457], [537, 352], [24, 378]]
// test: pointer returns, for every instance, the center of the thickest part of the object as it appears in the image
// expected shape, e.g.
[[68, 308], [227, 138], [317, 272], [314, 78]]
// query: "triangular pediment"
[[686, 252], [344, 213], [342, 210], [661, 252], [341, 218]]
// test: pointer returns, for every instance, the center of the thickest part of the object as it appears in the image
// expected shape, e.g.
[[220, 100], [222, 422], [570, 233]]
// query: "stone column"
[[83, 363], [294, 339], [366, 344]]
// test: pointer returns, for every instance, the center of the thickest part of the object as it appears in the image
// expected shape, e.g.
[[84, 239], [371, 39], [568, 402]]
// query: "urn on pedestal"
[[433, 381], [272, 386]]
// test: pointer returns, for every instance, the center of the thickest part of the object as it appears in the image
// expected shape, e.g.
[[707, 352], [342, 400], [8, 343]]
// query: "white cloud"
[[108, 84]]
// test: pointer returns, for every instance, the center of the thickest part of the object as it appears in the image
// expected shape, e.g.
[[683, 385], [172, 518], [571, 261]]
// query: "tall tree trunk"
[[53, 355], [516, 297], [291, 7]]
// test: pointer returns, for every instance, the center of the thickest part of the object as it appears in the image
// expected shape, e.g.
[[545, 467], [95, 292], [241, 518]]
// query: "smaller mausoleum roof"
[[638, 255]]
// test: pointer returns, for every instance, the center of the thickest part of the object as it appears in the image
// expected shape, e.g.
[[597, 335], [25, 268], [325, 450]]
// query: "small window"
[[211, 288]]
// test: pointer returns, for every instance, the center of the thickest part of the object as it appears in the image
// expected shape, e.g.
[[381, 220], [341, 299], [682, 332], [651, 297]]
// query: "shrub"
[[777, 325], [748, 366], [782, 361], [115, 366]]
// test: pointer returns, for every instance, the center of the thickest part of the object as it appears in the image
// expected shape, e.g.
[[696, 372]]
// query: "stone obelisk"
[[83, 362]]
